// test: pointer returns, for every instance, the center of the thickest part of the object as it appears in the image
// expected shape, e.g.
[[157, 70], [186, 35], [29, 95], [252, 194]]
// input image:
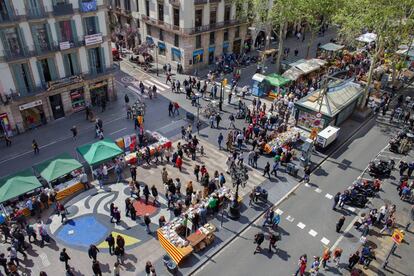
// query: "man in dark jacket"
[[93, 252]]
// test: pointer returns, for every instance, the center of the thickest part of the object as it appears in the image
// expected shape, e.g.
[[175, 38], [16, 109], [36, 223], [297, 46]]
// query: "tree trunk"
[[310, 42], [364, 100], [268, 35], [394, 71], [282, 33]]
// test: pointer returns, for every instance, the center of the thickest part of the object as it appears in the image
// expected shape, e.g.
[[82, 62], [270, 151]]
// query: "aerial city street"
[[206, 137]]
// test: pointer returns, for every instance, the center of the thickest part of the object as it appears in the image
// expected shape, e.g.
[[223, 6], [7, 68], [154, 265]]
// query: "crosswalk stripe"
[[289, 218], [318, 190], [150, 84], [329, 196], [313, 233], [278, 211], [325, 241], [133, 89], [166, 86], [301, 225]]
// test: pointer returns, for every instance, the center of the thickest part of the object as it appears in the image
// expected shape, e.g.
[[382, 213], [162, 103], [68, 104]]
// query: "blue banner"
[[161, 45], [198, 52], [88, 6]]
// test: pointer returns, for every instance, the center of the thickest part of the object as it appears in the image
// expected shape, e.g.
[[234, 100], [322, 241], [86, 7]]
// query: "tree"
[[380, 17]]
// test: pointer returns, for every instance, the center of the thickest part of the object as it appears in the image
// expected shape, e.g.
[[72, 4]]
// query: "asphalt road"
[[308, 221]]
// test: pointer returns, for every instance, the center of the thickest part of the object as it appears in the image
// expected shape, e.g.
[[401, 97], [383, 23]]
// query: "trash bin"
[[172, 267]]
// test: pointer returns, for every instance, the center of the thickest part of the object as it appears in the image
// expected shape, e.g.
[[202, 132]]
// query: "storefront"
[[211, 51], [99, 93], [33, 114], [236, 46], [57, 106], [77, 98], [5, 127], [320, 109], [198, 56]]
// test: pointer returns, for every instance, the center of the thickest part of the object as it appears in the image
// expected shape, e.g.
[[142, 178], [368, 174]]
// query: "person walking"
[[35, 147], [275, 168], [147, 221], [336, 200], [146, 193], [133, 171], [353, 260], [154, 193], [220, 140], [74, 131], [340, 223], [96, 268], [302, 263], [111, 243], [326, 256], [337, 256], [3, 263], [258, 240], [266, 170], [272, 242], [117, 269], [64, 257], [218, 120], [93, 252], [307, 172], [231, 118]]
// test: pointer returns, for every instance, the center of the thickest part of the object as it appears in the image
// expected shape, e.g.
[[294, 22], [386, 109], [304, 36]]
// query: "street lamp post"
[[198, 95], [156, 58], [239, 177], [221, 96]]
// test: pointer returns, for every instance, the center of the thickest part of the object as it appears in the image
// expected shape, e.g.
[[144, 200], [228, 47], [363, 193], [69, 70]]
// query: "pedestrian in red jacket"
[[179, 163]]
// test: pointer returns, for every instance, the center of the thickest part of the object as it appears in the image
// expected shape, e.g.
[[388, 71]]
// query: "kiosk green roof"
[[57, 167], [277, 80], [99, 152], [18, 184]]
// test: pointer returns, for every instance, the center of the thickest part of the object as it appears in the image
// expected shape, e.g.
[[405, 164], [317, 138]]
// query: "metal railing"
[[37, 13], [16, 94], [100, 72], [198, 2], [10, 17], [194, 30], [63, 9]]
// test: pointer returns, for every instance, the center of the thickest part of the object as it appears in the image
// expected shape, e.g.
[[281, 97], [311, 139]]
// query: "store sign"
[[93, 39], [30, 105], [64, 45]]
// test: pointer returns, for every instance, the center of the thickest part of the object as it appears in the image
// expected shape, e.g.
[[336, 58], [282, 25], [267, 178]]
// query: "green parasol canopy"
[[57, 167], [18, 184], [277, 80], [99, 152]]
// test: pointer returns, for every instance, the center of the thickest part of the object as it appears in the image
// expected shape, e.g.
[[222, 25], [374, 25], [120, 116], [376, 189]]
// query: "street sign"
[[398, 236]]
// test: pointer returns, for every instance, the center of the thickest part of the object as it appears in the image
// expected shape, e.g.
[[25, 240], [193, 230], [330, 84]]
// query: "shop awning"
[[293, 73], [199, 52], [367, 38], [99, 152], [311, 65], [332, 47], [18, 184], [149, 40], [277, 80], [59, 166], [176, 52], [161, 45], [258, 77]]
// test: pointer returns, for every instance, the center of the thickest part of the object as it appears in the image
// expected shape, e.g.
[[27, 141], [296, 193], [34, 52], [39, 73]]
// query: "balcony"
[[200, 2], [99, 72], [50, 47], [63, 9], [88, 5], [35, 13], [15, 95], [93, 39], [9, 17], [65, 45], [214, 1], [174, 2], [16, 54]]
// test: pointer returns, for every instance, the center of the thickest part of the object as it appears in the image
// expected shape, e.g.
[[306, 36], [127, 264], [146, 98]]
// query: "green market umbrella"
[[277, 80], [18, 184], [100, 152], [57, 167]]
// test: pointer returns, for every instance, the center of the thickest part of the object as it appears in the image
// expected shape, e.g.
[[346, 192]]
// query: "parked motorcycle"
[[381, 168]]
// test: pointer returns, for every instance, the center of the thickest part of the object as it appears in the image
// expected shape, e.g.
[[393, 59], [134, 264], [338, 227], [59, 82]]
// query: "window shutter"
[[102, 59], [22, 40], [29, 75], [96, 20], [49, 36], [75, 63], [74, 32], [52, 68], [85, 29], [58, 32], [5, 43], [40, 70], [18, 78], [92, 59], [65, 58]]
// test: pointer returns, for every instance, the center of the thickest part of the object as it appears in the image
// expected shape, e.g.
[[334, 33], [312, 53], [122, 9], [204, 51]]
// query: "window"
[[237, 32], [96, 61], [226, 35], [45, 70], [147, 8], [13, 44], [212, 38], [198, 41], [127, 5], [118, 4], [176, 55], [161, 49], [198, 18], [149, 29], [91, 25], [41, 34], [70, 62], [161, 37], [22, 77], [227, 13], [137, 5], [176, 40], [213, 16], [160, 12], [65, 28], [176, 17], [4, 10]]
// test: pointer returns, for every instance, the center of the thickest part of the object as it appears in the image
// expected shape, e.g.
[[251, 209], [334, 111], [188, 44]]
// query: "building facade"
[[190, 32], [55, 58]]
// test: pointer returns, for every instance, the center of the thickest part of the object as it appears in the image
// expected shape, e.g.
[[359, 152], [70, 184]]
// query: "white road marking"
[[313, 233], [158, 83], [307, 185], [289, 218], [325, 241], [301, 225], [329, 196], [318, 190], [119, 130], [278, 211], [151, 83], [352, 209], [45, 260]]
